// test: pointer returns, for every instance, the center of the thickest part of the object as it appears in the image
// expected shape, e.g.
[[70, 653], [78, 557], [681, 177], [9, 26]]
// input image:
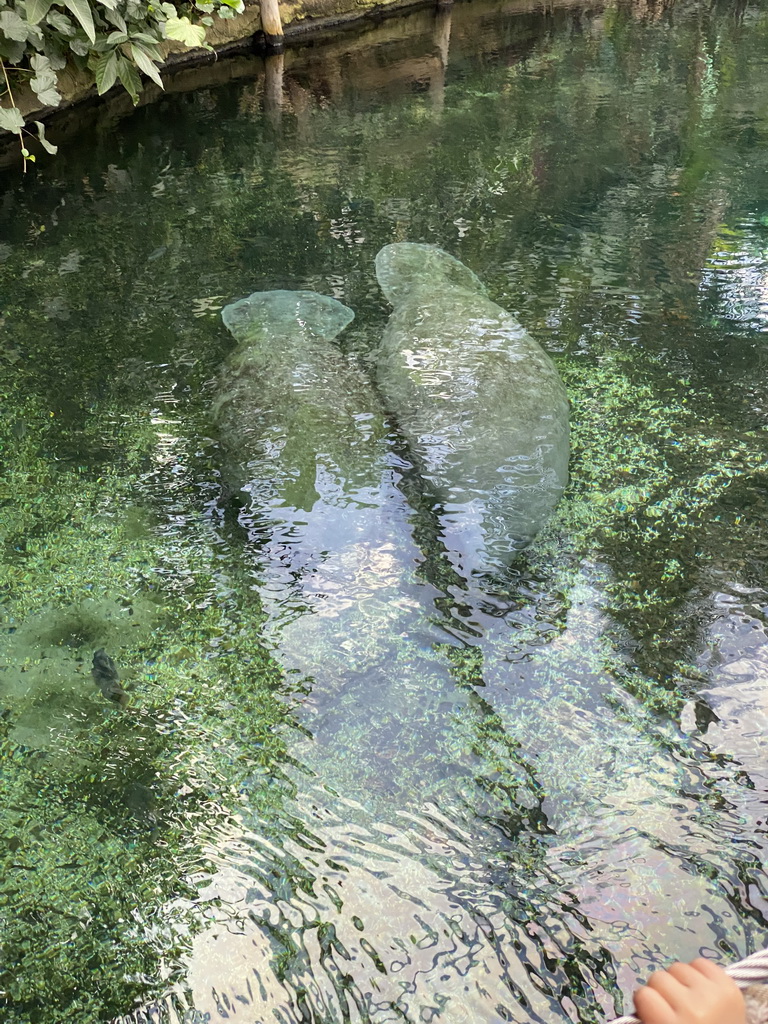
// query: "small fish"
[[105, 676]]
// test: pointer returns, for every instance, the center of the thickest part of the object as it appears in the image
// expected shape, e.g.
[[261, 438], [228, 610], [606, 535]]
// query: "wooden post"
[[442, 31], [441, 37], [274, 66], [272, 24]]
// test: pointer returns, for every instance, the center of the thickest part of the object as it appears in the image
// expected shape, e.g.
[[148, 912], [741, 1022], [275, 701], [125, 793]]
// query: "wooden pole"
[[442, 31], [441, 37], [272, 24], [274, 66]]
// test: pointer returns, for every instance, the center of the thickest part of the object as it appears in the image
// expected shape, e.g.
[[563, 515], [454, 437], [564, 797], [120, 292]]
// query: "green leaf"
[[47, 146], [37, 10], [82, 11], [105, 70], [116, 38], [129, 76], [48, 96], [44, 82], [11, 50], [55, 56], [11, 119], [183, 30], [143, 37], [12, 26], [41, 65], [144, 62], [115, 18], [62, 24]]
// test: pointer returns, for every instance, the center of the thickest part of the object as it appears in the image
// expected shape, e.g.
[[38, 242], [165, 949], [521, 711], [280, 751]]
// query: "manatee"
[[287, 402], [481, 404], [334, 559], [303, 435]]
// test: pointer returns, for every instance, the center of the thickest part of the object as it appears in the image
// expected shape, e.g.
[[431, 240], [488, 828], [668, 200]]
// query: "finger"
[[676, 994], [652, 1008], [687, 975], [709, 969]]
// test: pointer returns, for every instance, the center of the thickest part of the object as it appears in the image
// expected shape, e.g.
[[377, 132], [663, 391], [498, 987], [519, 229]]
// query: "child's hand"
[[695, 993]]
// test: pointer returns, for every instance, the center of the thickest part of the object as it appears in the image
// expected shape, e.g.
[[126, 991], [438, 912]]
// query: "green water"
[[350, 786]]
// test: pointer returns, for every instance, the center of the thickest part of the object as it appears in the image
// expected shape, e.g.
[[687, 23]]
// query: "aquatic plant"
[[105, 812]]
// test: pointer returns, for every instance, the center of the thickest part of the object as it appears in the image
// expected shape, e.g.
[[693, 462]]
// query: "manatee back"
[[480, 402]]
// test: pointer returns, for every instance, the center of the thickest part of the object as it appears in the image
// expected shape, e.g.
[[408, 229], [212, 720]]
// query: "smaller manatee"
[[291, 410]]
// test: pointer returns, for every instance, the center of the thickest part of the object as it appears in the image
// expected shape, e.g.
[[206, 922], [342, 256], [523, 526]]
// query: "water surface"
[[351, 785]]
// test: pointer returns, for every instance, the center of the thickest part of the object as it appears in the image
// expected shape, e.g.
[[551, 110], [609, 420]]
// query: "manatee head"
[[405, 266], [267, 316]]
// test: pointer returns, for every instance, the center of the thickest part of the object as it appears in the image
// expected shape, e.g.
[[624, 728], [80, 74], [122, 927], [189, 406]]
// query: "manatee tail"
[[403, 266], [267, 316]]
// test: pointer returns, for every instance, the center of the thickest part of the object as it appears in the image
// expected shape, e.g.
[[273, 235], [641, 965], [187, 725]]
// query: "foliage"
[[111, 40]]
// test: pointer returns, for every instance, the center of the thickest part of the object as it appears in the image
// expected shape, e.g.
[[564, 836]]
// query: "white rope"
[[751, 971]]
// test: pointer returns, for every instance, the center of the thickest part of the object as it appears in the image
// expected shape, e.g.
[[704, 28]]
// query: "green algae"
[[658, 491]]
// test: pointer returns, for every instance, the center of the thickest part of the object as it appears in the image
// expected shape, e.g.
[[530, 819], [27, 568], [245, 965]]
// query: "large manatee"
[[480, 402]]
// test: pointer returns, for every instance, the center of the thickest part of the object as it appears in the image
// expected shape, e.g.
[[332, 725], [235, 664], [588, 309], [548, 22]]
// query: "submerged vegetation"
[[94, 798], [599, 181]]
